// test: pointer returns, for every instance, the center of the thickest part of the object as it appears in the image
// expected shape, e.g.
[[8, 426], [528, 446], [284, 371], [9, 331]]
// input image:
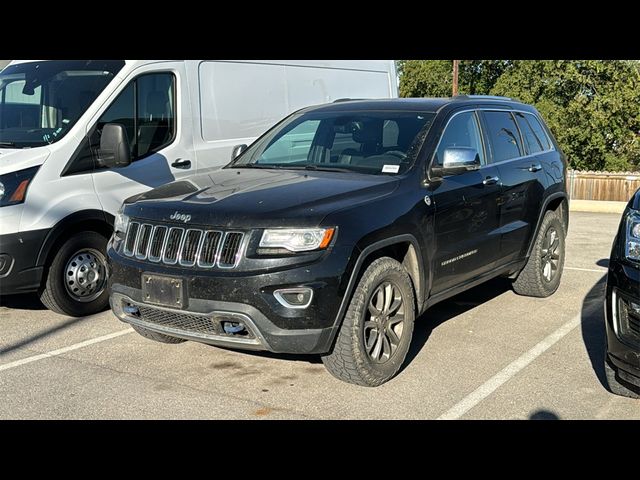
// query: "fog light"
[[234, 328], [132, 310], [294, 297]]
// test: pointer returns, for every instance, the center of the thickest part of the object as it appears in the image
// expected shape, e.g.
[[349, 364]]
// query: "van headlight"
[[632, 241], [13, 186], [120, 225], [295, 239]]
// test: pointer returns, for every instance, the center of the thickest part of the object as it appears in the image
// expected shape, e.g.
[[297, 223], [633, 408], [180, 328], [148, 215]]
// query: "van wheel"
[[158, 337], [375, 335], [541, 276], [76, 281], [616, 385]]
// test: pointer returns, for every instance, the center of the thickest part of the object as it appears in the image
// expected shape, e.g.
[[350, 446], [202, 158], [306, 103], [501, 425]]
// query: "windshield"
[[41, 101], [370, 142]]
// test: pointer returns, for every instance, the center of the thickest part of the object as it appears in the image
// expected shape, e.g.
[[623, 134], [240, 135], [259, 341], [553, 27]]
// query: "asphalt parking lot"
[[485, 354]]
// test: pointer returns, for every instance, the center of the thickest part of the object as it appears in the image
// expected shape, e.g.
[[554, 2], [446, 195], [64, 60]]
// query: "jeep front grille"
[[185, 247]]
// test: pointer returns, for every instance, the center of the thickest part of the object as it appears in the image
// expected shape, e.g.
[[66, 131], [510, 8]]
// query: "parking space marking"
[[60, 351], [504, 375], [597, 270]]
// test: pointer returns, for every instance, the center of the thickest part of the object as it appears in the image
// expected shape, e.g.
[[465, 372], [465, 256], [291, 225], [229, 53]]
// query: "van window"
[[41, 101], [540, 133], [504, 135], [531, 141], [462, 131], [146, 110]]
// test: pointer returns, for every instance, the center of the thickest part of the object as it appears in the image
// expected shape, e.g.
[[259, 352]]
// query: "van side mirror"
[[114, 146], [237, 150], [457, 160]]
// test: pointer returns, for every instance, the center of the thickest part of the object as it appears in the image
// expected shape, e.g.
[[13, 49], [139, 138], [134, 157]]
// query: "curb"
[[596, 206]]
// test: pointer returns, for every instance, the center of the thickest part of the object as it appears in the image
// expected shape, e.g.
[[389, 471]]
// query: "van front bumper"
[[19, 272]]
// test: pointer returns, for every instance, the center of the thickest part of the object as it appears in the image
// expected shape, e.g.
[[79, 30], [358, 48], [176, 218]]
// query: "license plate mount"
[[163, 290]]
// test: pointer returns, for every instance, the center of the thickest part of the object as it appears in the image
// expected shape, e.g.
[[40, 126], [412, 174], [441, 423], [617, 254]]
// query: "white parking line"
[[597, 270], [60, 351], [500, 378]]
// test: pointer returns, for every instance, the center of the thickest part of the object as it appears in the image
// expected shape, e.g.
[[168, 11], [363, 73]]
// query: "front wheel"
[[76, 281], [375, 335]]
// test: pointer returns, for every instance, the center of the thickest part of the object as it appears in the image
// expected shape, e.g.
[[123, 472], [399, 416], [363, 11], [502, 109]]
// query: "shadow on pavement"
[[23, 301], [544, 415], [441, 312], [37, 336], [593, 331]]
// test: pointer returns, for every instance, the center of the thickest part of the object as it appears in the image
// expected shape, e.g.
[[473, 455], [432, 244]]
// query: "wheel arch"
[[92, 220], [558, 202], [403, 248]]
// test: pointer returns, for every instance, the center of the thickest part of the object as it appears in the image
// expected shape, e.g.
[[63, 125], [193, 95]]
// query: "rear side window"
[[531, 141], [504, 136], [539, 131], [462, 131]]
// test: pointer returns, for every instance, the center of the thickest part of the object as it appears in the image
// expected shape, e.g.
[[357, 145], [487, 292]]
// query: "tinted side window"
[[540, 133], [462, 131], [531, 142], [121, 111], [504, 136]]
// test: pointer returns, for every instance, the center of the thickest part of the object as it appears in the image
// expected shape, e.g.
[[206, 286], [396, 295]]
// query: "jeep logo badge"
[[182, 217]]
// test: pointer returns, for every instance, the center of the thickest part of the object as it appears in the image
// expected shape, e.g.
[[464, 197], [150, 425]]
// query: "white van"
[[63, 169]]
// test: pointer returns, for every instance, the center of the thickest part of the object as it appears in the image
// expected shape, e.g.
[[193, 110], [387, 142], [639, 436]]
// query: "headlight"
[[632, 243], [297, 239], [13, 186], [120, 225]]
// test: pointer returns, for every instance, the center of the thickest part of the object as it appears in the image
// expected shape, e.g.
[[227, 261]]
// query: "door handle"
[[181, 163], [536, 167], [490, 180]]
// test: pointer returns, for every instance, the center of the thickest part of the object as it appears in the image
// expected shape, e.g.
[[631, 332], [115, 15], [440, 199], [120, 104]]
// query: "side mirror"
[[237, 150], [459, 159], [114, 146]]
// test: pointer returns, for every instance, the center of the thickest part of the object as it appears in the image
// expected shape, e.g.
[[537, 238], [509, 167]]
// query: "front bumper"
[[18, 256], [623, 346], [216, 296]]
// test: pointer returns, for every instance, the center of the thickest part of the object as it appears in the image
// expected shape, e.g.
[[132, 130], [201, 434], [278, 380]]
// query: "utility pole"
[[455, 77]]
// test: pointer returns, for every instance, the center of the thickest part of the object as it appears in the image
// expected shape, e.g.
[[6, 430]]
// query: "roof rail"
[[486, 97], [347, 99]]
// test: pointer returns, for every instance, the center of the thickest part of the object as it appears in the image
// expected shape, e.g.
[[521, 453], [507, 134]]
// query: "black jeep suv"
[[339, 226], [622, 306]]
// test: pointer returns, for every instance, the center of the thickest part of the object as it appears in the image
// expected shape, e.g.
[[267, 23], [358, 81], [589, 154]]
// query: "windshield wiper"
[[255, 165], [322, 168], [7, 144]]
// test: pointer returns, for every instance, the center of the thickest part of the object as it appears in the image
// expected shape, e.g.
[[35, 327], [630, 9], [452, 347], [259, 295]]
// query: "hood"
[[12, 159], [257, 198]]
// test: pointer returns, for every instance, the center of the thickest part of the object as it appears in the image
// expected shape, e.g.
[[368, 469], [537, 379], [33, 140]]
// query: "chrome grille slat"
[[230, 252], [142, 242], [209, 250], [190, 247], [157, 242]]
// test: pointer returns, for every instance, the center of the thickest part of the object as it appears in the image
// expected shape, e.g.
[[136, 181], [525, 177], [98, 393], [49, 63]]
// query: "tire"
[[353, 358], [617, 385], [533, 280], [56, 293], [158, 337]]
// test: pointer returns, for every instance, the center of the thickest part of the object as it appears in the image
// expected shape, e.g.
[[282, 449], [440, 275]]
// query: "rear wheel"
[[375, 335], [158, 337], [76, 280], [618, 386], [541, 275]]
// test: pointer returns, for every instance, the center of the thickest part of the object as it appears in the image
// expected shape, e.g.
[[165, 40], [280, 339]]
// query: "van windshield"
[[370, 142], [41, 101]]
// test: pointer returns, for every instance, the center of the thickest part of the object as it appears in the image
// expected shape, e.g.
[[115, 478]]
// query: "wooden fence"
[[614, 186]]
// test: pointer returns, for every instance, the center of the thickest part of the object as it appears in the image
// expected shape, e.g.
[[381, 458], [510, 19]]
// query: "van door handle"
[[181, 163], [536, 167], [490, 180]]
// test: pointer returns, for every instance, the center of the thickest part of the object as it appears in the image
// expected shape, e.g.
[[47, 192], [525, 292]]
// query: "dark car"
[[339, 226], [622, 306]]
